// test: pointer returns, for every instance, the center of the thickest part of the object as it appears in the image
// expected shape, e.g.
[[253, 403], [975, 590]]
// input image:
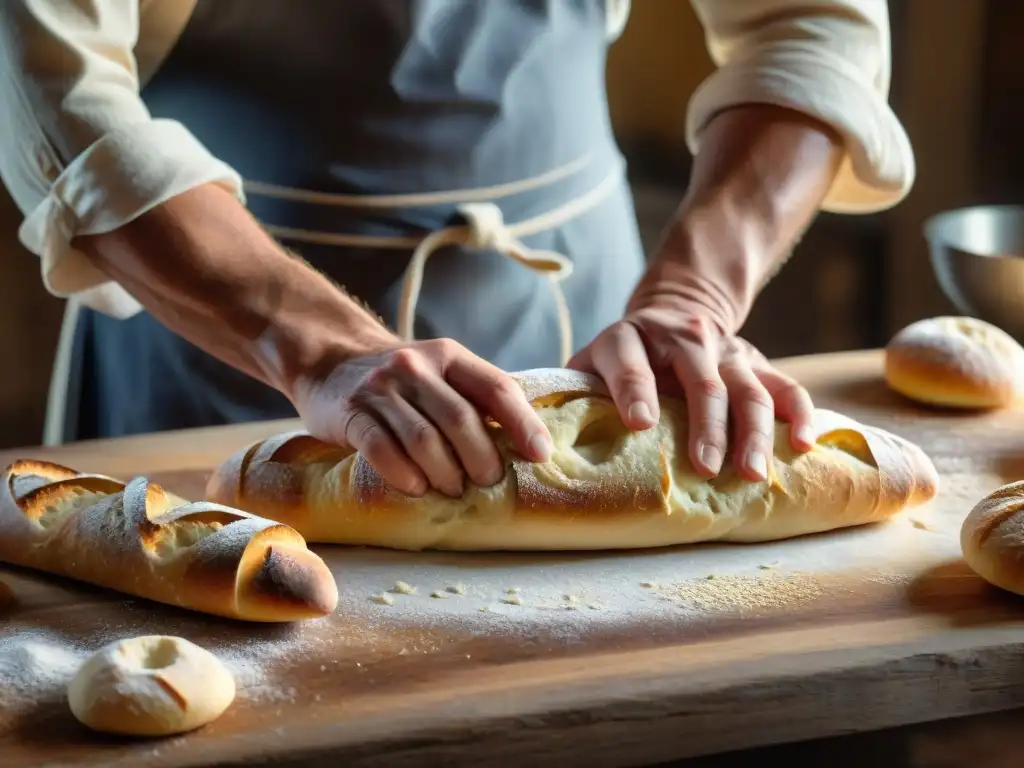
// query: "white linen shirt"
[[81, 155]]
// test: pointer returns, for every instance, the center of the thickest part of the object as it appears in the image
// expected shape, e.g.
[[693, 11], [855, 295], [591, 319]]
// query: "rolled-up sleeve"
[[829, 59], [79, 152]]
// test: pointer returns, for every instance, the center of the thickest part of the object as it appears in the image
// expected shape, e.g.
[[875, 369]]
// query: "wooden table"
[[851, 631]]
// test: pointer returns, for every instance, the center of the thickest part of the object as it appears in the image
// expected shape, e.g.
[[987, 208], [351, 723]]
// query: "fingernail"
[[455, 491], [757, 463], [540, 447], [639, 412], [804, 436], [711, 457]]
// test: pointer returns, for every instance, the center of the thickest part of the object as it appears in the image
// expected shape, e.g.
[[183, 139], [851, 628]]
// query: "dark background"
[[958, 86]]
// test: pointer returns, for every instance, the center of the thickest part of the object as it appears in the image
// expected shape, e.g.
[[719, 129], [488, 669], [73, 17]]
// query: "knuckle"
[[711, 428], [619, 331], [793, 391], [710, 388], [422, 437], [754, 397], [368, 436], [697, 327], [405, 360], [448, 349], [460, 419], [505, 389], [633, 376]]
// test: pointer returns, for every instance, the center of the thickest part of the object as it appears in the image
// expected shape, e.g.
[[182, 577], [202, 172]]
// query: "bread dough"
[[154, 685]]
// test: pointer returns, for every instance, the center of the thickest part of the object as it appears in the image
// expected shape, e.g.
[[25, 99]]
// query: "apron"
[[451, 163]]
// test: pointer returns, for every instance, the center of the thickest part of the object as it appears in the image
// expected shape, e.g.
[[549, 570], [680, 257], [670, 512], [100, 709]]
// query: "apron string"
[[485, 229], [420, 199]]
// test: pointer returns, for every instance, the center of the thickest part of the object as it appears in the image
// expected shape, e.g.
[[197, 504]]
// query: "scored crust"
[[138, 539], [604, 487], [958, 362], [992, 538]]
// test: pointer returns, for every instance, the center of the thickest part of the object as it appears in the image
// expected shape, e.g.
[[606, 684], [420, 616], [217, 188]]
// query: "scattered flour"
[[745, 593], [37, 666], [254, 662], [35, 669], [561, 598]]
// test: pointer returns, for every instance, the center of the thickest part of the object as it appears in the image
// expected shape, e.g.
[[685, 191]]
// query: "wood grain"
[[897, 631]]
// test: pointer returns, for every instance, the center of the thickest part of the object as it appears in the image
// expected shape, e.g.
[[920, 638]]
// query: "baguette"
[[605, 487], [140, 540]]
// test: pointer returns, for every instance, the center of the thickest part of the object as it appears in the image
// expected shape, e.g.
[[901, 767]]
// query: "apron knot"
[[487, 230]]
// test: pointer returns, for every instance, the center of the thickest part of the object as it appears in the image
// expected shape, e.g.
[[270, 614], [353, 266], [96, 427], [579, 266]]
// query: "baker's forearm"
[[202, 265], [757, 182]]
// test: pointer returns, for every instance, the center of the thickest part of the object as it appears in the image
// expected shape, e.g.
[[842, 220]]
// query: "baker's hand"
[[675, 342], [414, 412]]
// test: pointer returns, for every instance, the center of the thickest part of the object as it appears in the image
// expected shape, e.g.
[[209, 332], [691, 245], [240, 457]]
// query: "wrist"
[[757, 182], [311, 327], [708, 257]]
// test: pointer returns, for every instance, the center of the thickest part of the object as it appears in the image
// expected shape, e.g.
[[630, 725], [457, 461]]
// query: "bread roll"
[[992, 538], [956, 362], [138, 539], [605, 487], [150, 686]]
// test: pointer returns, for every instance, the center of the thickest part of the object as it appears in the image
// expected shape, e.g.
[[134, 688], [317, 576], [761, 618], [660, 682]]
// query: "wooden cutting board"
[[610, 659]]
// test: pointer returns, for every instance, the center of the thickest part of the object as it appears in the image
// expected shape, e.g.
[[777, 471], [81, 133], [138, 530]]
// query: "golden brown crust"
[[137, 538], [992, 538], [956, 362], [605, 486]]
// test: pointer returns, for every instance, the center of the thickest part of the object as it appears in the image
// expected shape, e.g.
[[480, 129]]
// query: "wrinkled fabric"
[[376, 97], [70, 77]]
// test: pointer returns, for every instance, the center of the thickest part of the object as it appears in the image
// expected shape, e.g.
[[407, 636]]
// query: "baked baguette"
[[141, 540], [605, 487]]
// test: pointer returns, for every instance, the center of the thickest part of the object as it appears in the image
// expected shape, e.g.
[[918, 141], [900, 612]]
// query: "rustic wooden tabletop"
[[853, 631]]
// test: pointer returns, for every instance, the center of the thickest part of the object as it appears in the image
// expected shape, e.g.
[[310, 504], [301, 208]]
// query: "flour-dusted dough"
[[605, 487], [956, 362], [153, 685]]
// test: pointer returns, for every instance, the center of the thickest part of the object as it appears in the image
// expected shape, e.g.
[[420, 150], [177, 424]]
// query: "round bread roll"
[[958, 362], [152, 685], [992, 538]]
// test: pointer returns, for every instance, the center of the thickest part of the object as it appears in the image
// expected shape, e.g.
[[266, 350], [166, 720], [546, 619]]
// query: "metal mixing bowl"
[[978, 256]]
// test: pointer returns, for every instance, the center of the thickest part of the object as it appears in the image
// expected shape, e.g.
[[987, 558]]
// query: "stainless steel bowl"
[[978, 256]]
